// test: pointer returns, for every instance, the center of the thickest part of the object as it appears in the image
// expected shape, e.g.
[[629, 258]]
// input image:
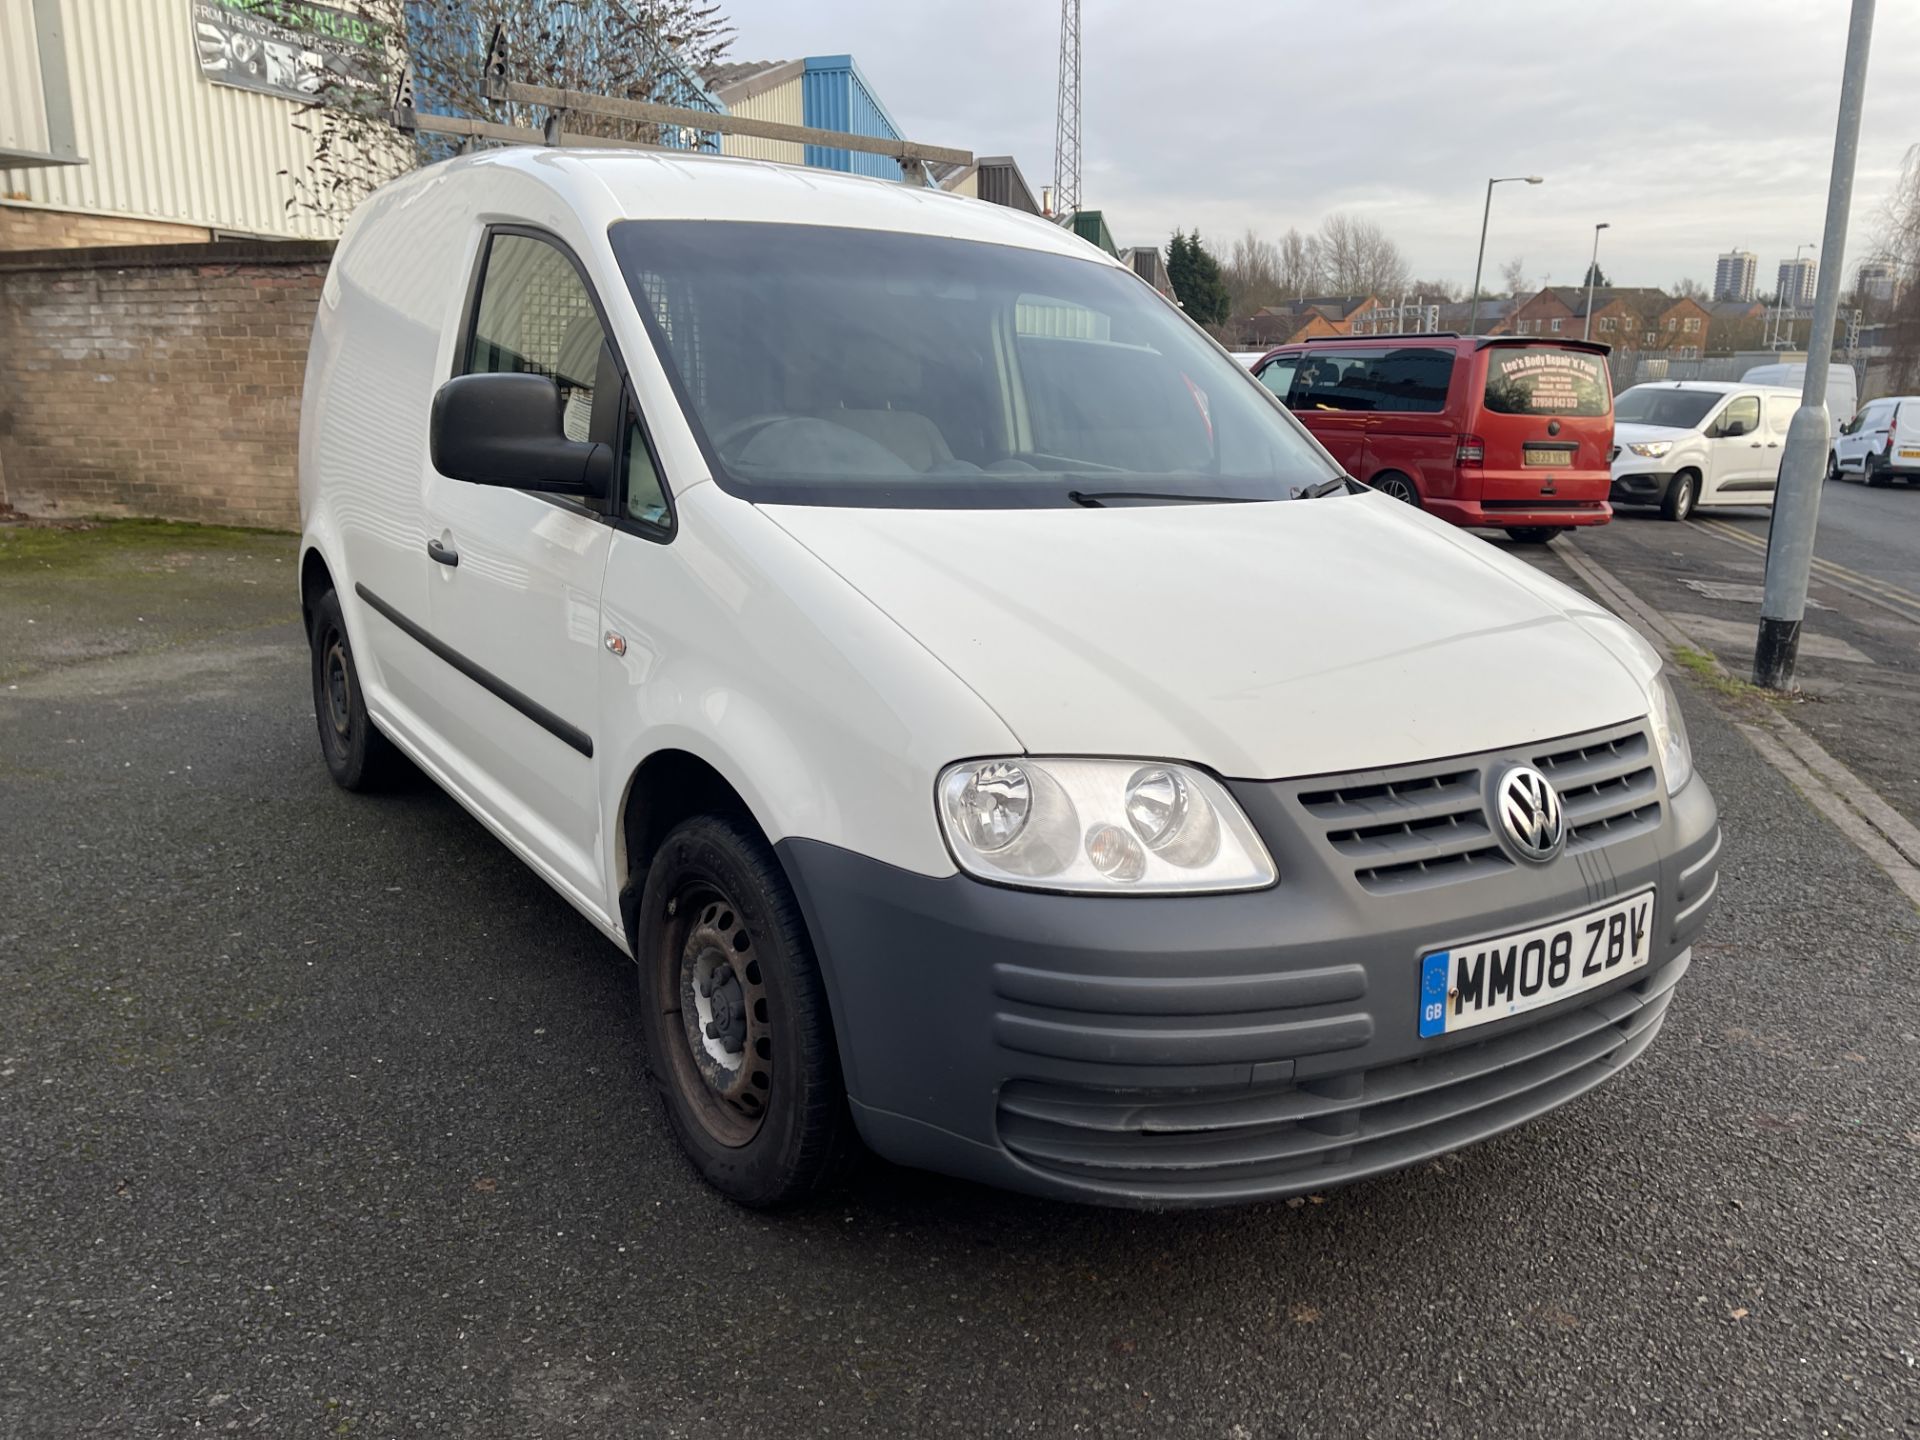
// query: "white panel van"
[[999, 734]]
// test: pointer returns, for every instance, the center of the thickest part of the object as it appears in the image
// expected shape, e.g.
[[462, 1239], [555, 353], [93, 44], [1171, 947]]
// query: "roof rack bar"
[[1385, 335], [647, 112]]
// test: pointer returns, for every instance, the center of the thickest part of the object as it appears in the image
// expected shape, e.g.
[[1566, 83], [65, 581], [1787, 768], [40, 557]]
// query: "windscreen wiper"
[[1096, 499], [1340, 484]]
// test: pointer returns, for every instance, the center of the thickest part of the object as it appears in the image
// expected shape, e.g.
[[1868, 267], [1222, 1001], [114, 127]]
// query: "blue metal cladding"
[[834, 95]]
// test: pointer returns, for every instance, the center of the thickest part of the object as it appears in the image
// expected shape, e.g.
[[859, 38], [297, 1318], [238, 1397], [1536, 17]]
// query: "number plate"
[[1540, 455], [1486, 980], [1906, 454]]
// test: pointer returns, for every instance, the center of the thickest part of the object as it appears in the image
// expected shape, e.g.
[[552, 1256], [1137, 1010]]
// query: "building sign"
[[314, 54]]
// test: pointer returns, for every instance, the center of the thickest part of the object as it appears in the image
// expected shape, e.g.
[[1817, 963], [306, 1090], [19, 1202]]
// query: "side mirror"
[[505, 429]]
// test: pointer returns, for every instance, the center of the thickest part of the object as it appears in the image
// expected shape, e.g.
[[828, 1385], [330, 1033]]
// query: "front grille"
[[1410, 831], [1328, 1131], [1608, 789], [1416, 826]]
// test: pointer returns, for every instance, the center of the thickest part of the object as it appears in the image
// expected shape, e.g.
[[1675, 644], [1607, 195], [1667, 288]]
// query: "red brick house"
[[1308, 318], [1635, 318]]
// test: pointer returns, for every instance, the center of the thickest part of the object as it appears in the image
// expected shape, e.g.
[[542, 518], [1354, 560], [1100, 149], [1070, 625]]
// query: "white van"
[[1882, 443], [993, 725], [1679, 444], [1843, 387]]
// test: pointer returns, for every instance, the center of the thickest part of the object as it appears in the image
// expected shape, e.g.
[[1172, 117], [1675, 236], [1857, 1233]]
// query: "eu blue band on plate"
[[1435, 972]]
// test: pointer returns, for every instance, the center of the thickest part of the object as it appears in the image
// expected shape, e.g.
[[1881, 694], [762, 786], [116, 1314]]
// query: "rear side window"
[[535, 317], [1413, 381], [1545, 380]]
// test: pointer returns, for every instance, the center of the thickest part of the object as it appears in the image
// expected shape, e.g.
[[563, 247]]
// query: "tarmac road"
[[320, 1114], [1872, 532]]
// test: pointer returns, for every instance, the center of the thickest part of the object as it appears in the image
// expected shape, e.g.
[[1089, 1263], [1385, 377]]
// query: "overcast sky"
[[1692, 126]]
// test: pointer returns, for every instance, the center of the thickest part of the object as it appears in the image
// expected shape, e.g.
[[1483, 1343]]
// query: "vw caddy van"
[[998, 732], [1486, 431], [1679, 444]]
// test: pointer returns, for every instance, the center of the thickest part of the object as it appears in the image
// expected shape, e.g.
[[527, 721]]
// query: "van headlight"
[[1669, 728], [1652, 449], [1102, 826]]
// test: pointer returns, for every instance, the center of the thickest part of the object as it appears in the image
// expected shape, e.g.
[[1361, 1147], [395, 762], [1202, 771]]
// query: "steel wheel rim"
[[336, 688], [1684, 505], [723, 1067]]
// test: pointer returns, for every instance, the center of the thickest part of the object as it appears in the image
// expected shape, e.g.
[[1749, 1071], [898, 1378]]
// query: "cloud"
[[1689, 127]]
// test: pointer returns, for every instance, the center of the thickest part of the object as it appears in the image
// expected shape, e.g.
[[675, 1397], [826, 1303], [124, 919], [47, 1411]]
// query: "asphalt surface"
[[320, 1114], [1873, 532]]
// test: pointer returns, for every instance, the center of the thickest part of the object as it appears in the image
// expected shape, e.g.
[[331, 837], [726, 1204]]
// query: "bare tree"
[[1252, 274], [633, 49], [1430, 291], [1357, 258], [1299, 271], [1899, 241], [1688, 288], [1513, 277]]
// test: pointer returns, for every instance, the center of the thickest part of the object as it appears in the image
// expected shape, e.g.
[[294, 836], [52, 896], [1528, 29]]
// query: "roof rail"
[[1386, 335]]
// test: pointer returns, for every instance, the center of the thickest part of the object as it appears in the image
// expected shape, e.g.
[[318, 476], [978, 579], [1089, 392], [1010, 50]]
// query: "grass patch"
[[126, 541], [1710, 672]]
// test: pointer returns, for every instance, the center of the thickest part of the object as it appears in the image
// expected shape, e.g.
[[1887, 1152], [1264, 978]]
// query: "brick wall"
[[156, 380], [24, 227]]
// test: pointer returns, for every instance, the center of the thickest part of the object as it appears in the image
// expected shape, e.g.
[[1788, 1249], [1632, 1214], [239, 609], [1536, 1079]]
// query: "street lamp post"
[[1473, 316], [1593, 274]]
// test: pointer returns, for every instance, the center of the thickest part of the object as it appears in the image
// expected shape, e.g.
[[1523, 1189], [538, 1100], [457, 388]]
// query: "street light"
[[1593, 274], [1473, 316]]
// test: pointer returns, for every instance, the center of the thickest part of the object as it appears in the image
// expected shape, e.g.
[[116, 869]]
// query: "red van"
[[1498, 431]]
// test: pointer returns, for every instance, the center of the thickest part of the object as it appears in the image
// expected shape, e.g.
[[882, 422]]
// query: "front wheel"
[[1531, 534], [737, 1028], [1833, 466], [1681, 494]]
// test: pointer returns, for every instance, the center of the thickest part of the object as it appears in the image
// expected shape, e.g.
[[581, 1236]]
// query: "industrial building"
[[191, 121]]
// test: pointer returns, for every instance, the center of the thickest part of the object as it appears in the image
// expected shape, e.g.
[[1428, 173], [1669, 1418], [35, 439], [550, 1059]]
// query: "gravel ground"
[[320, 1114]]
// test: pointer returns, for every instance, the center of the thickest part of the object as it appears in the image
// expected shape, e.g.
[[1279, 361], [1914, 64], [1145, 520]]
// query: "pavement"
[[321, 1115]]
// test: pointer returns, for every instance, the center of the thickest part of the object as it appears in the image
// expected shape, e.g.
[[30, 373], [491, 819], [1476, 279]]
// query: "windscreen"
[[1654, 405], [830, 366], [1545, 380]]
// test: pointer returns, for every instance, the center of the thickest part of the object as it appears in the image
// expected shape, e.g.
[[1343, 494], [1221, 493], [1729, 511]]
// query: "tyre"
[[1833, 466], [739, 1038], [1531, 534], [1393, 483], [1876, 473], [1682, 492], [358, 756]]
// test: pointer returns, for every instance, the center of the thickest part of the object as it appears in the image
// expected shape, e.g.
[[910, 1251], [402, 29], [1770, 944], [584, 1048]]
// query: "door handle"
[[1754, 446], [445, 554], [1773, 444]]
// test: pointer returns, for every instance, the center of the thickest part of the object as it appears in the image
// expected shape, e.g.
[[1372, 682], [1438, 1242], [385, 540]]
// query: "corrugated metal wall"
[[23, 112], [782, 103], [161, 142], [835, 97]]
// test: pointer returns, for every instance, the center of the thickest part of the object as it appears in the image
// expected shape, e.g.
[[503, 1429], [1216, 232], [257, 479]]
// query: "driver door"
[[515, 594], [1737, 453]]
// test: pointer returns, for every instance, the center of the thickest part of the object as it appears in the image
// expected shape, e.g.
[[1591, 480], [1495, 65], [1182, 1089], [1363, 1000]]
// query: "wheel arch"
[[316, 578]]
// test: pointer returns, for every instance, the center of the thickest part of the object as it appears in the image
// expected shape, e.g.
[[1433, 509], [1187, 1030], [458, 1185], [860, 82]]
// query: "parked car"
[[1843, 387], [1680, 444], [1882, 443], [1500, 432], [992, 724]]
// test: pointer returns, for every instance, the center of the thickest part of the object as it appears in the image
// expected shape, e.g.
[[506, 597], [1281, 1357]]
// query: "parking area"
[[321, 1114]]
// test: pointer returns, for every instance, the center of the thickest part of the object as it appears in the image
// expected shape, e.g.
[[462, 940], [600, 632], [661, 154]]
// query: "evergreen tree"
[[1197, 282], [1595, 276]]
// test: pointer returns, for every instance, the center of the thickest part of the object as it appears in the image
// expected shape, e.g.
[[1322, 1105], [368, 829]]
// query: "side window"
[[1414, 381], [1741, 417], [646, 496], [535, 317], [1278, 376], [1338, 380]]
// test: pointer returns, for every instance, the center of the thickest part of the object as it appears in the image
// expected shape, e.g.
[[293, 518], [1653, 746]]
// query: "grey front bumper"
[[1184, 1050]]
